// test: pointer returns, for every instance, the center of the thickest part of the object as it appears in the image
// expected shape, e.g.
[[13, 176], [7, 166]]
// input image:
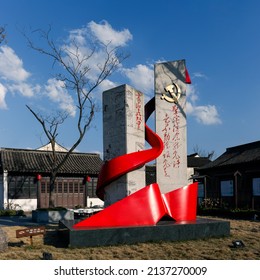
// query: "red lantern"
[[38, 177]]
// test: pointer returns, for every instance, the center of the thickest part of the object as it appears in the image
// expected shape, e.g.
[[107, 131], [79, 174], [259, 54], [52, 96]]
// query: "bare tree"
[[75, 77], [2, 34], [203, 153]]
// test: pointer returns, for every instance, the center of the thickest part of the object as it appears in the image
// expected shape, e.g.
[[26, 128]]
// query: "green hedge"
[[10, 212], [58, 208], [230, 213]]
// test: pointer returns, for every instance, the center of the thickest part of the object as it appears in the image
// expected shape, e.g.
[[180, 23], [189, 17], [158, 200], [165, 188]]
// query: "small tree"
[[75, 78]]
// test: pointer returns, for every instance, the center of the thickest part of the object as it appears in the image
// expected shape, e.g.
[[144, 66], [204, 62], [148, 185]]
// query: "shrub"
[[209, 203], [244, 214], [58, 208], [11, 212]]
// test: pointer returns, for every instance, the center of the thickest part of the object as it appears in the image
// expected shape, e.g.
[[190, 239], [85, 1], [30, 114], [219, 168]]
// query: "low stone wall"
[[51, 216]]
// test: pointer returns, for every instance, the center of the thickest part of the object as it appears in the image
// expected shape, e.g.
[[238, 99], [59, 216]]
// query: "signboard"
[[256, 186], [30, 231], [226, 188]]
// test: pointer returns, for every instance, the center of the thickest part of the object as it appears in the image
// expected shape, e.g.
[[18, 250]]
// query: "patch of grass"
[[206, 249]]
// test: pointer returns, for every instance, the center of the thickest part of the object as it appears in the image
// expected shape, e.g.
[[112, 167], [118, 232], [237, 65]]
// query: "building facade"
[[233, 178], [25, 184]]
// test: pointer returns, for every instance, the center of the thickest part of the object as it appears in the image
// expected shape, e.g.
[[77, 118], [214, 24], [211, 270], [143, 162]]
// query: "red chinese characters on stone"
[[138, 106], [176, 137], [166, 141], [171, 140]]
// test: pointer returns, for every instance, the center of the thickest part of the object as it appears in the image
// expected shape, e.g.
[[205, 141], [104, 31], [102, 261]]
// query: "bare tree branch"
[[2, 34], [75, 74]]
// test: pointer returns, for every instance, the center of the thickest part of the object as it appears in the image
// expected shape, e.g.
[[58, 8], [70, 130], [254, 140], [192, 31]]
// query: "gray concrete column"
[[170, 103], [123, 133]]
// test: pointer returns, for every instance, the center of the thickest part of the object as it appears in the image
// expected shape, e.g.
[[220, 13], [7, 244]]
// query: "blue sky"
[[219, 40]]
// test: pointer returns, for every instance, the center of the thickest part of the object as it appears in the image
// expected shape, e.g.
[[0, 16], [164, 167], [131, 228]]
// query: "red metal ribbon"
[[146, 206]]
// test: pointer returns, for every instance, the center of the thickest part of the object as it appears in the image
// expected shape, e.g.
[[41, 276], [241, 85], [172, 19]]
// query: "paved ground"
[[17, 221]]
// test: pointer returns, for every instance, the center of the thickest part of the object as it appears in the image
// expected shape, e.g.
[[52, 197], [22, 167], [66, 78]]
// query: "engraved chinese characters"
[[170, 103]]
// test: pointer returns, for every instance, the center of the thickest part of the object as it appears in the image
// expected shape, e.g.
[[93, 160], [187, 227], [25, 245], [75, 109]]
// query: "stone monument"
[[123, 133], [134, 212], [170, 103]]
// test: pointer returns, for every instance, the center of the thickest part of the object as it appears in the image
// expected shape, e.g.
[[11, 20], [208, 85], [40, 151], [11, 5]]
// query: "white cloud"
[[199, 75], [11, 66], [106, 34], [192, 93], [141, 77], [204, 114], [25, 89], [92, 36], [207, 115], [13, 76], [78, 36], [106, 85], [83, 40], [3, 91], [57, 93]]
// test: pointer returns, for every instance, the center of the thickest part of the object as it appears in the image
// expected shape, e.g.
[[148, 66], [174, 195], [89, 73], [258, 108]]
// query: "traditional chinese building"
[[234, 177], [24, 177], [194, 163]]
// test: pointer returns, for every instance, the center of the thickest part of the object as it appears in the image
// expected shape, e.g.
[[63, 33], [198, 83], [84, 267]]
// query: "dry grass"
[[208, 249]]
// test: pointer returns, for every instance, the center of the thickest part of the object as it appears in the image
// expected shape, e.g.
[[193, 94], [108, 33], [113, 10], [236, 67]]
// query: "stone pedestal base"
[[163, 231]]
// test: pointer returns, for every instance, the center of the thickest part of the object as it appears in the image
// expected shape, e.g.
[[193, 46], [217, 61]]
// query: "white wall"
[[95, 201], [5, 187], [1, 193], [190, 172], [26, 205]]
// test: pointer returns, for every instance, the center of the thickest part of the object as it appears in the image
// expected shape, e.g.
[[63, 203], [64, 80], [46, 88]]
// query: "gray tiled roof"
[[242, 154], [194, 161], [32, 161]]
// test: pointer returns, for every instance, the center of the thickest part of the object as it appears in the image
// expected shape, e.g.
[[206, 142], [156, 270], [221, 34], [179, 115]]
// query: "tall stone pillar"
[[123, 133], [170, 103]]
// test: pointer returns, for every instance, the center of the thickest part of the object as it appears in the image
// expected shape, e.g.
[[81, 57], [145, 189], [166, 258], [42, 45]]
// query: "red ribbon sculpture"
[[147, 206]]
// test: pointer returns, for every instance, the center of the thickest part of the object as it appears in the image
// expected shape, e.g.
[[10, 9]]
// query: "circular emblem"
[[172, 93]]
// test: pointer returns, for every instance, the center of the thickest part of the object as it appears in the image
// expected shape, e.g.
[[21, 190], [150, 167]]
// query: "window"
[[201, 193], [65, 187], [227, 188], [70, 187], [59, 187], [92, 186], [22, 187], [76, 186], [256, 186]]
